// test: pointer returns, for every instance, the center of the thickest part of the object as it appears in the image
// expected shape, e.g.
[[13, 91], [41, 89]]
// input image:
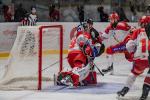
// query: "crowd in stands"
[[56, 13]]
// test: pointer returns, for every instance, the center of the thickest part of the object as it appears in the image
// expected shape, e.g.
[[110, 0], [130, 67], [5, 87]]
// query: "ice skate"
[[123, 92], [108, 70]]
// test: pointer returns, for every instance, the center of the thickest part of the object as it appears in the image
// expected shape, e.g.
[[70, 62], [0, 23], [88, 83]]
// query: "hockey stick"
[[91, 62], [53, 64], [91, 65], [98, 69]]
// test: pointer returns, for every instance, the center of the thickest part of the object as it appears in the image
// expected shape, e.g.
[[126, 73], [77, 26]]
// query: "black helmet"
[[84, 25], [89, 21]]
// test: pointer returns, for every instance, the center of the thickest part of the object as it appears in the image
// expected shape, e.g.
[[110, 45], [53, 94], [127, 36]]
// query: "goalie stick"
[[99, 70], [91, 61], [53, 64]]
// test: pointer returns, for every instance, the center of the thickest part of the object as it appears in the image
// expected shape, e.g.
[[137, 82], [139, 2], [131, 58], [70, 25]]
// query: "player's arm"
[[98, 46], [120, 47], [106, 33], [87, 47]]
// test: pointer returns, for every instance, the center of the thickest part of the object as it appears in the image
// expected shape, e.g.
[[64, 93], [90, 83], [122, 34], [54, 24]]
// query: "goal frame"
[[40, 51]]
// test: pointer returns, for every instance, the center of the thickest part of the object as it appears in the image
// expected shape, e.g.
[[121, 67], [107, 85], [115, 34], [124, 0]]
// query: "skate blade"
[[120, 98]]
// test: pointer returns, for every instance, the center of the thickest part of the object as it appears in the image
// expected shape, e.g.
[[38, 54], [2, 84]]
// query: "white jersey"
[[141, 41], [117, 34], [32, 20]]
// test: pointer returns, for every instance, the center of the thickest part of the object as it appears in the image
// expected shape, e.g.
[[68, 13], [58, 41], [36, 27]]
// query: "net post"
[[61, 48], [40, 52], [40, 59]]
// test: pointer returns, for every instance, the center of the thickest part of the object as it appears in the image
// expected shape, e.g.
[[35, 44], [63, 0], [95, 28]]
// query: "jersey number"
[[143, 42]]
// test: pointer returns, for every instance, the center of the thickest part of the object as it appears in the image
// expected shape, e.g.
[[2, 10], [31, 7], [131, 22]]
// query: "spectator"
[[25, 21], [140, 5], [121, 13], [19, 13], [69, 14], [133, 10], [54, 14], [7, 13], [81, 13], [148, 10], [102, 14]]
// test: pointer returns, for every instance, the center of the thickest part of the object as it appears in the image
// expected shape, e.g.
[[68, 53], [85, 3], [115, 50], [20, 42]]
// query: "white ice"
[[122, 68]]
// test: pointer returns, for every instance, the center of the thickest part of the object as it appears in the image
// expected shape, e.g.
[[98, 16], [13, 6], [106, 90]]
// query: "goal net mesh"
[[27, 68]]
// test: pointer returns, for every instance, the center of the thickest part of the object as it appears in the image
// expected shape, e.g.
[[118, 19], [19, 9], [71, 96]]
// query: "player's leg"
[[130, 81], [118, 48], [138, 68], [146, 87], [75, 59], [75, 76], [110, 61], [80, 70]]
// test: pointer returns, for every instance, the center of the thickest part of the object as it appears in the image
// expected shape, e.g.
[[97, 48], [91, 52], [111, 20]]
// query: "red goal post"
[[40, 51]]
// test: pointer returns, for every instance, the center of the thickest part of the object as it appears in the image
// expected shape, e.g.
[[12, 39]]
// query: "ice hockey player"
[[93, 32], [115, 32], [82, 52], [121, 46], [30, 19], [137, 47]]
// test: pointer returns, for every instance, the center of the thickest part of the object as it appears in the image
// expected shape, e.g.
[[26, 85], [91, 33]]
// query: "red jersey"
[[74, 45]]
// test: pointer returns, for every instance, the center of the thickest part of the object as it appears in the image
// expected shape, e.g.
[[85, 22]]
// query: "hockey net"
[[35, 52]]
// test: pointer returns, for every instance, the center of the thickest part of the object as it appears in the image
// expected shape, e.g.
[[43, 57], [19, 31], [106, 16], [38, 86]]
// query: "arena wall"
[[8, 33]]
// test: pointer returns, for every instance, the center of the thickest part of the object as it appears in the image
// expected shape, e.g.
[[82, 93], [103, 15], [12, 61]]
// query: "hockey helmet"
[[114, 15], [85, 25], [89, 21], [144, 20]]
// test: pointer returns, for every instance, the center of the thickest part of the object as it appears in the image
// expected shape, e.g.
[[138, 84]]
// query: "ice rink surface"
[[106, 88]]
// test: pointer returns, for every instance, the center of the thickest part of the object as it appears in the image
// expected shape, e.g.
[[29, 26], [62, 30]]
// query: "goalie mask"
[[85, 26], [89, 21]]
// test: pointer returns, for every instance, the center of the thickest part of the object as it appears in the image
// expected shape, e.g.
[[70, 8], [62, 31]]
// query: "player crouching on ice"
[[82, 51]]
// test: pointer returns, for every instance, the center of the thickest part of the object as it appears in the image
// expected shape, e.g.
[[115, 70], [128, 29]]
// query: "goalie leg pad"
[[75, 58], [61, 76], [91, 78]]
